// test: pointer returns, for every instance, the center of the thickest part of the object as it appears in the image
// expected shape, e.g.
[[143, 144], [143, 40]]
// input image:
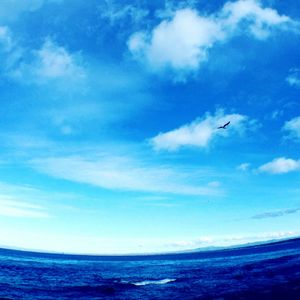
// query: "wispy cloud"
[[277, 213], [293, 128], [37, 65], [16, 208], [23, 142], [243, 167], [116, 12], [12, 8], [257, 20], [5, 39], [123, 173], [201, 132], [54, 61], [10, 52], [280, 165], [32, 201], [182, 42]]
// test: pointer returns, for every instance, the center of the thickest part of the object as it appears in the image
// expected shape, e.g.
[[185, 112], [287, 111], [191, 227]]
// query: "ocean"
[[266, 271]]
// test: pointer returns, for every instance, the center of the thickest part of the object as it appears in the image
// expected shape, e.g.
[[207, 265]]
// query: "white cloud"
[[182, 42], [201, 132], [280, 165], [293, 127], [121, 173]]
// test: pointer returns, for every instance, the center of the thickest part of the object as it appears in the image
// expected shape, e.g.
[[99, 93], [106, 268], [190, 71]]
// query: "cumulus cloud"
[[293, 128], [122, 173], [280, 165], [179, 43], [201, 132], [182, 42]]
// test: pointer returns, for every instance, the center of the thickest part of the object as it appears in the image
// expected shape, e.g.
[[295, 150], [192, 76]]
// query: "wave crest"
[[147, 282]]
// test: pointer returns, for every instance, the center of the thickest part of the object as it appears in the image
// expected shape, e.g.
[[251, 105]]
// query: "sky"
[[109, 123]]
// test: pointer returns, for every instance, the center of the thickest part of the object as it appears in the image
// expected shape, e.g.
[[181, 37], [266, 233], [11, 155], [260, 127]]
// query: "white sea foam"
[[146, 282]]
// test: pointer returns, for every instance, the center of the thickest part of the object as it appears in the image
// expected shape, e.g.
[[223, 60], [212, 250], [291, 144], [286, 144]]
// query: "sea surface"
[[268, 271]]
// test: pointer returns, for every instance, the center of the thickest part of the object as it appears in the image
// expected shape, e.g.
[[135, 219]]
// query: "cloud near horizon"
[[182, 42], [201, 132], [277, 213], [223, 241]]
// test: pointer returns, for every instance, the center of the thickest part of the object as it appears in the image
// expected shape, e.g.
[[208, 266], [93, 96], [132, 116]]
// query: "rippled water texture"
[[261, 272]]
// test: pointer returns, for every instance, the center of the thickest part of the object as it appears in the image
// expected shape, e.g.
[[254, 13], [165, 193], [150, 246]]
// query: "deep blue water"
[[270, 271]]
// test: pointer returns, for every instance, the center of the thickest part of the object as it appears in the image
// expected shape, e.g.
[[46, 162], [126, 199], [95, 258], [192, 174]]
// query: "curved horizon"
[[204, 249]]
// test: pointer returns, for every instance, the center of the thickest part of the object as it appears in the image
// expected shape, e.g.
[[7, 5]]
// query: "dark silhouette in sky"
[[224, 126]]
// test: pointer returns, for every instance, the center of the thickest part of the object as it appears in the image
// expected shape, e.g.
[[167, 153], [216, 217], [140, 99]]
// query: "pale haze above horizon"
[[110, 114]]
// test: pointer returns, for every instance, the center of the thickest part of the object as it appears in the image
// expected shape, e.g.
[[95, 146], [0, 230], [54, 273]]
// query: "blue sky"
[[109, 115]]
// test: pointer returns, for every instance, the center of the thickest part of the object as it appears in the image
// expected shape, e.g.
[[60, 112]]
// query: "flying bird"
[[224, 126]]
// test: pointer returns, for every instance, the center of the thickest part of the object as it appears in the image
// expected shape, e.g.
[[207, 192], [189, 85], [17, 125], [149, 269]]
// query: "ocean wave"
[[147, 282]]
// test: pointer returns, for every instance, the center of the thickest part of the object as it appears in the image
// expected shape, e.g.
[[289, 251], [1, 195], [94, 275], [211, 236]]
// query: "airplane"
[[224, 126]]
